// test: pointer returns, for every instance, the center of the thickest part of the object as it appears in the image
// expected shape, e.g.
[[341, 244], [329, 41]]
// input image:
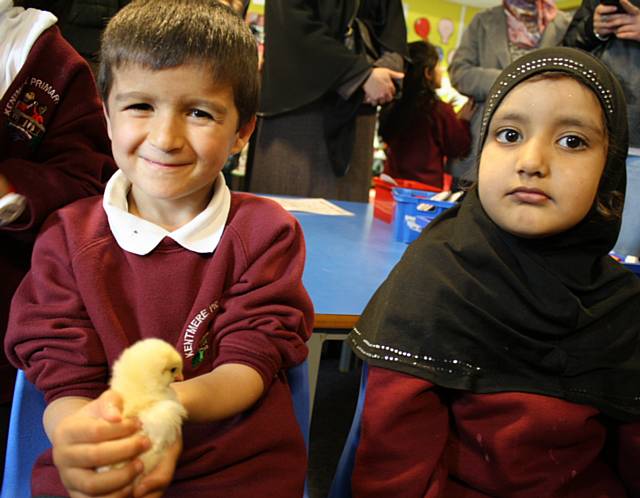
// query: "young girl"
[[505, 346], [420, 130]]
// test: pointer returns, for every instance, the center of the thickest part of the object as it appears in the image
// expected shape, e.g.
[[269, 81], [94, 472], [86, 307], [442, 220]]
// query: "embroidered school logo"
[[195, 344], [27, 109]]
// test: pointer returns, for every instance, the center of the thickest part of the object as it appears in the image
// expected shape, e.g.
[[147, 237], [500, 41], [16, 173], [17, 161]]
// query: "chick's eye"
[[572, 142], [174, 370], [508, 136]]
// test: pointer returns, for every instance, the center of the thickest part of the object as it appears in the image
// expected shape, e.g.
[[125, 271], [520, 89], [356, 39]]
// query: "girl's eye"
[[199, 113], [572, 142], [508, 136]]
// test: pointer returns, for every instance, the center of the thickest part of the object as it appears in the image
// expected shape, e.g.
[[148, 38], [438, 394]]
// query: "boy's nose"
[[532, 159], [166, 133]]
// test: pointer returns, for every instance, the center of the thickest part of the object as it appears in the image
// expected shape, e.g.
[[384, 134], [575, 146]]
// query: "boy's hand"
[[157, 481], [96, 436]]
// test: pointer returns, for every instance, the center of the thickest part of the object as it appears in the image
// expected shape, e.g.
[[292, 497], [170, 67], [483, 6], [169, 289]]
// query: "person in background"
[[327, 66], [419, 129], [613, 34], [170, 252], [81, 22], [504, 348], [495, 38], [54, 147]]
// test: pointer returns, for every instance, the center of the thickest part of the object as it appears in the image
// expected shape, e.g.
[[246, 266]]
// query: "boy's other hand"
[[97, 436], [379, 88], [154, 484]]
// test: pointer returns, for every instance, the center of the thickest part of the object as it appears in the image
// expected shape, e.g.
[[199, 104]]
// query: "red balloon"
[[422, 27]]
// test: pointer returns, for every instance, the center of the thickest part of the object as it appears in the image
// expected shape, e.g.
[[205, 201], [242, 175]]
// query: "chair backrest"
[[341, 485], [298, 378], [27, 439]]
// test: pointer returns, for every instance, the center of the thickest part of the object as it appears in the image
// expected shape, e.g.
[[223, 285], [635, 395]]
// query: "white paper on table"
[[311, 205]]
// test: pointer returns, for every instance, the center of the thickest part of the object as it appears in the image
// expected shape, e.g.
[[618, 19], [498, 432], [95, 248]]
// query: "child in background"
[[169, 252], [420, 130], [512, 368], [54, 147]]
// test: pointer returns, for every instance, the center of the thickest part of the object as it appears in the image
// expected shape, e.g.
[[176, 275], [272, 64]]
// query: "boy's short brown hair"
[[168, 33]]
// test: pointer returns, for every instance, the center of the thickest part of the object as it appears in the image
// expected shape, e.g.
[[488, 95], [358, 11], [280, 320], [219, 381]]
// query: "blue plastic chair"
[[341, 485], [27, 439]]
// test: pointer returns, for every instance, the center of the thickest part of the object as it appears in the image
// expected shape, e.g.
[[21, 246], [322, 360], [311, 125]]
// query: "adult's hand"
[[606, 21], [625, 24], [630, 30], [379, 88]]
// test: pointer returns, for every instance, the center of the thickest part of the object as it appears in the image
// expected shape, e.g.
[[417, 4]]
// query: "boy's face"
[[172, 131], [543, 157]]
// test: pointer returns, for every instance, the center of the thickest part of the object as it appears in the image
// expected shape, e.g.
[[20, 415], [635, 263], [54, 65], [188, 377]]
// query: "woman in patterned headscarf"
[[504, 348], [495, 38], [527, 20]]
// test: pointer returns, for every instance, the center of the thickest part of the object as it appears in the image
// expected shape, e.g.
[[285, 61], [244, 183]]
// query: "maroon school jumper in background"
[[436, 443], [54, 149], [86, 299], [420, 150]]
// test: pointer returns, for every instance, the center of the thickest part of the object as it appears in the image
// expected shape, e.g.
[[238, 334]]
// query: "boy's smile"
[[544, 155], [172, 131]]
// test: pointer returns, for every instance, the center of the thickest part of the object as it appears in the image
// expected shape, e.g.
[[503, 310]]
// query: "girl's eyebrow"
[[511, 116], [581, 123]]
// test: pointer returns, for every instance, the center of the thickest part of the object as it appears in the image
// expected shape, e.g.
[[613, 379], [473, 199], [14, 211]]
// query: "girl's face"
[[544, 155], [434, 75]]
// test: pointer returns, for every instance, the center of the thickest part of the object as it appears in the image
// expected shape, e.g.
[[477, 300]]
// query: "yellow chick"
[[142, 376]]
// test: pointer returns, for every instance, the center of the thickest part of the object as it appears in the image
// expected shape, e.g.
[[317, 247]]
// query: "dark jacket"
[[81, 21], [621, 56]]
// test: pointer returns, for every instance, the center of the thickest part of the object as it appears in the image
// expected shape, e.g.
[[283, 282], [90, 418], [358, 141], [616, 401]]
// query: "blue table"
[[348, 257]]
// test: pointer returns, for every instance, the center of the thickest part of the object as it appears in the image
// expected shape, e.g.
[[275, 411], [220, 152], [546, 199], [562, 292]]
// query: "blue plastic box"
[[414, 210]]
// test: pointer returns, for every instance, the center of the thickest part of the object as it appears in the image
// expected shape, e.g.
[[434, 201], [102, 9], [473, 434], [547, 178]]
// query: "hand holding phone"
[[615, 3]]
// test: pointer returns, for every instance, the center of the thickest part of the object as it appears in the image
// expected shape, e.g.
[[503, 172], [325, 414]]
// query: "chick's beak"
[[178, 377]]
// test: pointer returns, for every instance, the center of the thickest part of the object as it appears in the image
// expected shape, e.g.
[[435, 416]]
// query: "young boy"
[[170, 253]]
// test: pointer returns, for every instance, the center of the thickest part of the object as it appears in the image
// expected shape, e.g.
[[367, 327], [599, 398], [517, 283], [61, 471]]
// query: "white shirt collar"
[[139, 236]]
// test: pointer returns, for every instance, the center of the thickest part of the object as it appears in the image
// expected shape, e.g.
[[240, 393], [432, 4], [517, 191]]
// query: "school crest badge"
[[27, 110]]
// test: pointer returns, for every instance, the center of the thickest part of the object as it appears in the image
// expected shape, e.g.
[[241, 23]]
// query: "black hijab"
[[472, 307]]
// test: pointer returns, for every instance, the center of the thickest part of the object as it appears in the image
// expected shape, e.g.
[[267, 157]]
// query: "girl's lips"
[[529, 195]]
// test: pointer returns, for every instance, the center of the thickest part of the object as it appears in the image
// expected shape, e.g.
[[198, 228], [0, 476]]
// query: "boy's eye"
[[508, 136], [572, 142], [199, 113], [138, 107]]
